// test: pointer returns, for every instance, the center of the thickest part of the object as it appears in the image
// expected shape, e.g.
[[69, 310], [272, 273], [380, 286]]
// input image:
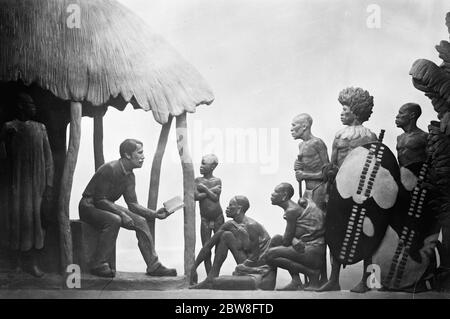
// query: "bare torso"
[[210, 209], [411, 147], [345, 143], [313, 156]]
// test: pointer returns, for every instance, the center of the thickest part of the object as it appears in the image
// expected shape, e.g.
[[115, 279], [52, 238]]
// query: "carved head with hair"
[[359, 102]]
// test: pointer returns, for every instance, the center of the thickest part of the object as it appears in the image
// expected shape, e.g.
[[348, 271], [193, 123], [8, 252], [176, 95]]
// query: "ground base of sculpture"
[[247, 282], [122, 281]]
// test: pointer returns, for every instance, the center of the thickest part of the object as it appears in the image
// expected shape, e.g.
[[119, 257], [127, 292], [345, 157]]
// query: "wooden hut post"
[[155, 173], [66, 185], [98, 141], [188, 187]]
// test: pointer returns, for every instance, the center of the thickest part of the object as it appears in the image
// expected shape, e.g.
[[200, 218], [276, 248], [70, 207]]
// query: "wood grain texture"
[[99, 158], [155, 173], [112, 53], [188, 187], [66, 185]]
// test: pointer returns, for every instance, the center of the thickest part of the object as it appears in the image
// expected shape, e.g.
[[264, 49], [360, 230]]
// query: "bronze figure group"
[[352, 204], [362, 203]]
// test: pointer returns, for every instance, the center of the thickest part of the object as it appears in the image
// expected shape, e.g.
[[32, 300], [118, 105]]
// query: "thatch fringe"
[[113, 53]]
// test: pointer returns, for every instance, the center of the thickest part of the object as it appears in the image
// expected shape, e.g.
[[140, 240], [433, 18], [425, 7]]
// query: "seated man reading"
[[97, 208], [302, 247], [244, 237]]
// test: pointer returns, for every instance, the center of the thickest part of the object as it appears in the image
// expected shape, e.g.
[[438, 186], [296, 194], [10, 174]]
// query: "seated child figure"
[[207, 193]]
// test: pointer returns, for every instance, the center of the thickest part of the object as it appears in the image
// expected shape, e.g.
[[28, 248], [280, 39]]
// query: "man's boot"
[[162, 271], [103, 270]]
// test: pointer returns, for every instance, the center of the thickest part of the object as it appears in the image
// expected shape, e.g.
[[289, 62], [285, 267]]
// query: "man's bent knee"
[[270, 255], [114, 221], [228, 237], [276, 240], [273, 253]]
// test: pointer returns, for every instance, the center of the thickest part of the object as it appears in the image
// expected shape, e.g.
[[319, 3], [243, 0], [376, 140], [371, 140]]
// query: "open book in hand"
[[173, 204]]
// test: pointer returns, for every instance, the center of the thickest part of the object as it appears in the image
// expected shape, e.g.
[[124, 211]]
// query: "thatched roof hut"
[[94, 53], [111, 53]]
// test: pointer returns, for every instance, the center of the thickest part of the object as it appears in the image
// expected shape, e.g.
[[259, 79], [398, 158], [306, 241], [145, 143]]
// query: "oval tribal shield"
[[407, 250], [361, 200]]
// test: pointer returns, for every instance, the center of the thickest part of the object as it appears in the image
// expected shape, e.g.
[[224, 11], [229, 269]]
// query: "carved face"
[[298, 128], [136, 158], [347, 116], [208, 165], [26, 105], [233, 209], [403, 117], [278, 196]]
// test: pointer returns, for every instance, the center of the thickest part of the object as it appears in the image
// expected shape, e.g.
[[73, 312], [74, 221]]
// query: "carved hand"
[[299, 175], [162, 213], [329, 172], [249, 263], [298, 165]]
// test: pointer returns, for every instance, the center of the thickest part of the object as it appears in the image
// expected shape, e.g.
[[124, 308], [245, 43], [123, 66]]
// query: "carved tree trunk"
[[98, 141], [66, 185], [156, 172], [188, 185]]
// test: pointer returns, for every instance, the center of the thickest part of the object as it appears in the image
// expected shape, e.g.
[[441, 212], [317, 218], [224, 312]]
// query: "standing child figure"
[[207, 193]]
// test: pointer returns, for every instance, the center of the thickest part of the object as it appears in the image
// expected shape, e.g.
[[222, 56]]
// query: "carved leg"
[[227, 242], [295, 284], [445, 258], [30, 263], [323, 270], [362, 286], [205, 234], [294, 269], [333, 283]]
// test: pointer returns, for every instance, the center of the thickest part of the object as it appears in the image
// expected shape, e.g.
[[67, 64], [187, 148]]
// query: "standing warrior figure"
[[30, 182], [207, 193], [312, 157], [412, 144], [357, 107], [406, 255]]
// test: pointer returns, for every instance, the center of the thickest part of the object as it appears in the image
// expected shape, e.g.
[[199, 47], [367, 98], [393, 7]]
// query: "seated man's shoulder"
[[108, 168], [253, 224], [226, 225], [292, 213], [109, 165]]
